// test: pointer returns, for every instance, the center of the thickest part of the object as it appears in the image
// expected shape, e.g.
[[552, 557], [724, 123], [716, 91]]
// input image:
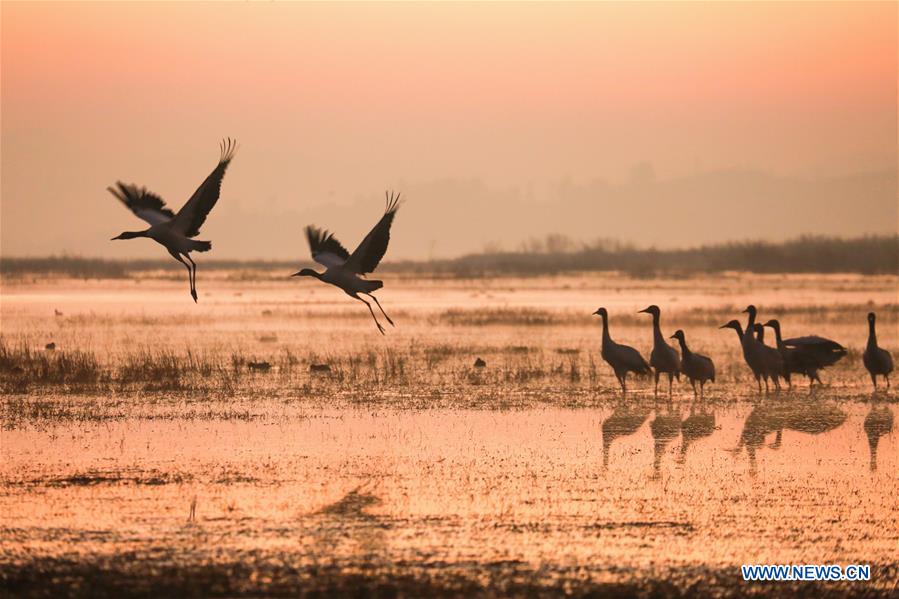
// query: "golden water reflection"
[[630, 486]]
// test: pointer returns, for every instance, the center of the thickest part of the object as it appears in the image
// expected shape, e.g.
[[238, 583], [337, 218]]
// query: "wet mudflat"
[[402, 469]]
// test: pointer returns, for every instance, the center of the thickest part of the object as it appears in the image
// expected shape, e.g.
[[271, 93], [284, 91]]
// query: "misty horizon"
[[642, 210], [655, 124]]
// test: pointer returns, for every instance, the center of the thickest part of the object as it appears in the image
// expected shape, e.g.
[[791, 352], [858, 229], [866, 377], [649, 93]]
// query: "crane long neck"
[[657, 329], [605, 329], [776, 327], [751, 322], [683, 346], [872, 334]]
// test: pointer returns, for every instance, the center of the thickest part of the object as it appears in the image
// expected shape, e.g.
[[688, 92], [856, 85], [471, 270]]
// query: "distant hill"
[[448, 218], [453, 217]]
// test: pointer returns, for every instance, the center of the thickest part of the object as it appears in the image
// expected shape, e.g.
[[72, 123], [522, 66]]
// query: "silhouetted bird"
[[663, 357], [806, 355], [773, 363], [771, 367], [697, 367], [752, 358], [622, 358], [878, 361], [176, 231], [345, 270]]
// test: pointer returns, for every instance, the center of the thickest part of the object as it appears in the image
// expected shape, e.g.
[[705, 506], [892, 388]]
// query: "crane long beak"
[[296, 274]]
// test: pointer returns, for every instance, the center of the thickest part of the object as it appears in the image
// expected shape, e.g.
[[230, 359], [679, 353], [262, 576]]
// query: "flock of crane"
[[176, 232], [800, 355]]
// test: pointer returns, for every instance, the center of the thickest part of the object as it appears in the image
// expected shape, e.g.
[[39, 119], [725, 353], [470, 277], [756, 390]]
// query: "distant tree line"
[[555, 254], [806, 254]]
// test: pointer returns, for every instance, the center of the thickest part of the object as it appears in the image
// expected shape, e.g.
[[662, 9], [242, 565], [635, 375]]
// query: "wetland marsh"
[[270, 441]]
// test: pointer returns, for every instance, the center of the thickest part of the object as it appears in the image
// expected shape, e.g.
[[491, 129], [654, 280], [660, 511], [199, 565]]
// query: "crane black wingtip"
[[392, 202], [227, 148]]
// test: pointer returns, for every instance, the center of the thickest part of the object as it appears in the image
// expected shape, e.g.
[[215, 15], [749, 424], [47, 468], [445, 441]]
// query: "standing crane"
[[622, 358], [663, 357]]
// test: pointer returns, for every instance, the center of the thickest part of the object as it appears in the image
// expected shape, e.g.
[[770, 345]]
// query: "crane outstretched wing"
[[368, 255], [145, 205], [325, 248], [193, 214]]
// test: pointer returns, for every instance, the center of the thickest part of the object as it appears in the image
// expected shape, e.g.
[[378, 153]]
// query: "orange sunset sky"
[[659, 123]]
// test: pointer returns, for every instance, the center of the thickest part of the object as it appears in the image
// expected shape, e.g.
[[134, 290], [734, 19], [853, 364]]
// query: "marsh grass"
[[503, 316], [692, 317], [21, 362], [413, 369], [25, 370]]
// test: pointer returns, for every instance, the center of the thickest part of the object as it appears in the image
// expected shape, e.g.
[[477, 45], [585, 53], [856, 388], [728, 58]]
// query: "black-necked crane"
[[663, 357], [761, 360], [750, 357], [173, 231], [698, 368], [622, 358], [877, 360], [345, 270], [751, 352], [805, 355], [773, 362]]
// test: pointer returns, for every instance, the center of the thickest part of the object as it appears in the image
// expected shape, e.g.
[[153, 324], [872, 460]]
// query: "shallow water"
[[616, 491], [531, 472]]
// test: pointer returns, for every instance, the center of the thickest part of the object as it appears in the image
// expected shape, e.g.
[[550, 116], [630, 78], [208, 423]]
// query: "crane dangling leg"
[[381, 309], [190, 278], [380, 328], [193, 278]]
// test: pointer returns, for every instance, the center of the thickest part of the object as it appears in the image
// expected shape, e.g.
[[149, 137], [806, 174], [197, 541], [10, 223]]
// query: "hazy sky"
[[522, 119]]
